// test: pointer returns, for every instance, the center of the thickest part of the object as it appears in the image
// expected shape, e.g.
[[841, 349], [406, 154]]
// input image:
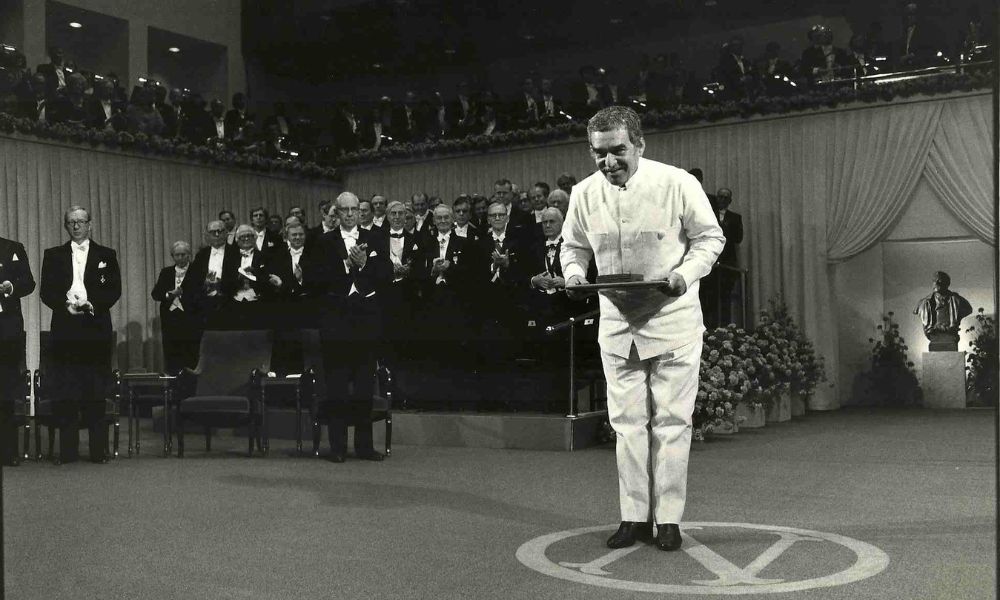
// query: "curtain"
[[139, 206], [812, 188], [958, 168]]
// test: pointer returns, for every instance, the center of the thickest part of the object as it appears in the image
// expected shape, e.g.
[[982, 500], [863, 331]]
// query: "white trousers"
[[650, 403]]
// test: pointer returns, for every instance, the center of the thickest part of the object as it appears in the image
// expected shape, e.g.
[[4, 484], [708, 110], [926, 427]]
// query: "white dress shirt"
[[538, 215], [378, 220], [462, 231], [216, 257], [179, 274], [296, 254], [260, 238], [350, 240], [442, 239], [78, 291], [660, 222], [220, 128]]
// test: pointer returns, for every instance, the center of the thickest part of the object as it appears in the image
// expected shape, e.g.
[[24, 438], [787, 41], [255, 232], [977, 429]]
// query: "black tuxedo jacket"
[[101, 277], [14, 268], [516, 245], [813, 58], [164, 284], [51, 78], [95, 117], [460, 253], [732, 228], [731, 76], [412, 250], [235, 122], [171, 120], [195, 295], [344, 138], [278, 261], [232, 280], [520, 115], [273, 240]]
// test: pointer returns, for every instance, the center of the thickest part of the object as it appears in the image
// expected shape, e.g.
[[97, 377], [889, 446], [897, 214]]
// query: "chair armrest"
[[184, 385], [385, 384]]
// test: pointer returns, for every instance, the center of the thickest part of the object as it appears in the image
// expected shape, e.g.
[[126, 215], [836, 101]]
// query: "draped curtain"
[[813, 188], [139, 206]]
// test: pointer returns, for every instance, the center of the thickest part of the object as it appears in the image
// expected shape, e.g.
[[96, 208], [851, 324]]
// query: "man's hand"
[[401, 270], [6, 288], [274, 280], [541, 281], [174, 293], [440, 266], [358, 255], [502, 261], [557, 282], [674, 285], [572, 281]]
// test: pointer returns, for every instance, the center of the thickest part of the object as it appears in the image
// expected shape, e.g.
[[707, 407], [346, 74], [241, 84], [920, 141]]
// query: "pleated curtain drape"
[[813, 188], [139, 206]]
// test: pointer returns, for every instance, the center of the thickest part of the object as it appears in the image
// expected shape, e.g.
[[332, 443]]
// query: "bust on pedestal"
[[943, 366]]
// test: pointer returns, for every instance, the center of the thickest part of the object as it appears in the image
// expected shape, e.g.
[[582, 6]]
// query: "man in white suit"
[[641, 217]]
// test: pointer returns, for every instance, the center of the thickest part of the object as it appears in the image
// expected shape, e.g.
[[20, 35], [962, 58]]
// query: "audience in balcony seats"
[[438, 123], [197, 125], [345, 129], [462, 111], [179, 328], [587, 96], [409, 121], [217, 110], [237, 119], [735, 71], [856, 62], [975, 38], [774, 73], [378, 210], [819, 61], [464, 227], [487, 117], [504, 250], [55, 72], [68, 106], [9, 101], [921, 43], [101, 109], [203, 286], [550, 107], [524, 111], [141, 117], [264, 239], [280, 119], [170, 113], [559, 200]]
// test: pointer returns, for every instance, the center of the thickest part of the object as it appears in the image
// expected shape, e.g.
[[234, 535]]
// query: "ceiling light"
[[75, 25], [376, 65], [174, 49]]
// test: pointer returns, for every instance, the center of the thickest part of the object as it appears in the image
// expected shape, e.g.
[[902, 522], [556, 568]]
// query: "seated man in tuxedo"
[[237, 119], [501, 281], [546, 304], [202, 290], [350, 271], [81, 281], [179, 331], [16, 282], [447, 265]]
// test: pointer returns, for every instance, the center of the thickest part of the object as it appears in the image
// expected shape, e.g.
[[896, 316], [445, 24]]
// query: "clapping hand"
[[502, 261], [6, 288], [274, 280], [358, 255], [440, 266]]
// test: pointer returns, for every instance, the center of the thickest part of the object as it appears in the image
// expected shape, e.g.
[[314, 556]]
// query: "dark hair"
[[544, 186], [260, 208], [226, 212], [462, 199], [565, 180], [617, 117], [697, 174]]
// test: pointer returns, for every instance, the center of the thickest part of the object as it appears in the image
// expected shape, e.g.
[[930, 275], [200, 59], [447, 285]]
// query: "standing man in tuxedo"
[[16, 282], [351, 268], [400, 298], [266, 239], [732, 227], [179, 331], [81, 281], [202, 289]]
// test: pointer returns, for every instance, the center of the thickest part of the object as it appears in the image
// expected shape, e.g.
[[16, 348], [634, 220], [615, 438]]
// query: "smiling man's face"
[[615, 154]]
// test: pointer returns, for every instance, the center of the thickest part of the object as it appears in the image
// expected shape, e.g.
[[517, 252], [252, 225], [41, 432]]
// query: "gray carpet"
[[447, 522]]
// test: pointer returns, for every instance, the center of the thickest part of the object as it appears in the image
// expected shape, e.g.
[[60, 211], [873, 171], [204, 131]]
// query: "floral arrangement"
[[139, 142], [982, 363], [724, 379], [801, 366], [891, 379]]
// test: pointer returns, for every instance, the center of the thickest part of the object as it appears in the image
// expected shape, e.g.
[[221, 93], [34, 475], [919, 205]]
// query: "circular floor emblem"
[[776, 559]]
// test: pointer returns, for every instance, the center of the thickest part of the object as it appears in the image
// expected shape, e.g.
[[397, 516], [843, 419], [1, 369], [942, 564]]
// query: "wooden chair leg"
[[117, 437], [52, 442], [180, 434], [388, 435], [317, 434], [27, 437]]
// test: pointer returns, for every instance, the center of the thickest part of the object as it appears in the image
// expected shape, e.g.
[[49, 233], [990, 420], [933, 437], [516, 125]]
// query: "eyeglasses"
[[497, 216], [216, 231], [77, 223]]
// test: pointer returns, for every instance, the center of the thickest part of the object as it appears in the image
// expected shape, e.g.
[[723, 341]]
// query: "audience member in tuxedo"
[[202, 289], [546, 273], [246, 285], [34, 104], [774, 73], [539, 199], [920, 41], [217, 111], [855, 61], [587, 95], [16, 282], [487, 114], [480, 204], [55, 72], [275, 225], [716, 291], [401, 297], [875, 45], [437, 121], [819, 61], [735, 71], [294, 306], [504, 250], [327, 222], [608, 85], [68, 106], [345, 128], [382, 131], [462, 111], [408, 120], [266, 238], [503, 192], [197, 126], [170, 113], [565, 182], [447, 265], [410, 223], [378, 209], [424, 222], [237, 119], [550, 109], [559, 200], [366, 217], [299, 213], [179, 330], [81, 281], [279, 118], [432, 203], [101, 111], [976, 34], [141, 116], [9, 99], [464, 228], [525, 110], [351, 271], [229, 220]]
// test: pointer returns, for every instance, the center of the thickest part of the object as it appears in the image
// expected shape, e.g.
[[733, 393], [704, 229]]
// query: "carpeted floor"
[[438, 523]]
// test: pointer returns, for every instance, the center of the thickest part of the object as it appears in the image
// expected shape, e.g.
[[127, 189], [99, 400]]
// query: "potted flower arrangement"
[[722, 382], [774, 371], [804, 368], [982, 366], [891, 380]]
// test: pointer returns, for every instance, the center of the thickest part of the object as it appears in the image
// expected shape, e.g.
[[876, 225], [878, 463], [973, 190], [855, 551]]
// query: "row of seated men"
[[456, 293]]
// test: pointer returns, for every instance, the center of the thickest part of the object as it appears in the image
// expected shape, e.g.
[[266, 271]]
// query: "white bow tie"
[[295, 252], [349, 234], [246, 252]]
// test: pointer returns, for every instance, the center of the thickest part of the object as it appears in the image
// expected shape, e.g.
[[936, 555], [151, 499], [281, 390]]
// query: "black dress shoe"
[[628, 532], [668, 537], [370, 455], [337, 456]]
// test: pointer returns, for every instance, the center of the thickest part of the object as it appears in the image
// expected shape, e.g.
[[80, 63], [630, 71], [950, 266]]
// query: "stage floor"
[[849, 504]]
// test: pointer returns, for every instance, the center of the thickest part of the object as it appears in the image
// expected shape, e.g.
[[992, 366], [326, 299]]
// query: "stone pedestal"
[[725, 428], [749, 417], [780, 409], [798, 404], [944, 379]]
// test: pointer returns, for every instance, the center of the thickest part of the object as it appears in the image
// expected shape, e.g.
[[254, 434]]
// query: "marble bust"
[[941, 314]]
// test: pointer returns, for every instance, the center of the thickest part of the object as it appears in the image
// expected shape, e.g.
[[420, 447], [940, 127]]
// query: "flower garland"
[[140, 142]]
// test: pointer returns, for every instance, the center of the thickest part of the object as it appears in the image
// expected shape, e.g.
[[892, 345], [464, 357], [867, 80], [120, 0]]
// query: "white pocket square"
[[15, 259], [372, 254], [101, 264]]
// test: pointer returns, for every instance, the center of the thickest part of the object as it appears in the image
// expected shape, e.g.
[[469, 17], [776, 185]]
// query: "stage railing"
[[570, 324]]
